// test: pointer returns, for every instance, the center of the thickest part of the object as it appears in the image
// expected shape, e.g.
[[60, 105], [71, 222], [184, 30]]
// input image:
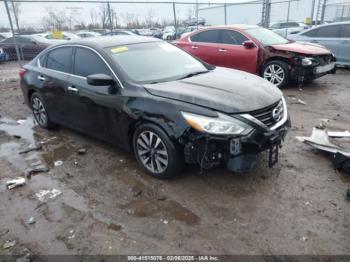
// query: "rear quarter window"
[[345, 31], [331, 31], [60, 59], [211, 36]]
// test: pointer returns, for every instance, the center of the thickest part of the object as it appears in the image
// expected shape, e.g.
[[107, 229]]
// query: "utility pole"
[[265, 16], [13, 33], [312, 11], [225, 11], [197, 14], [15, 14], [109, 16], [288, 14], [17, 25], [323, 12], [175, 20]]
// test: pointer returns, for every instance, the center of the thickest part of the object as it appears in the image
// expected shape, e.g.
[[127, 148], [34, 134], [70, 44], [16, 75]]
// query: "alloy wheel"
[[39, 111], [275, 74], [152, 152]]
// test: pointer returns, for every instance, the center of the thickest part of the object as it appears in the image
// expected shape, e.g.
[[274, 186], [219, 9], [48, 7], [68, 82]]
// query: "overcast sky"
[[32, 13]]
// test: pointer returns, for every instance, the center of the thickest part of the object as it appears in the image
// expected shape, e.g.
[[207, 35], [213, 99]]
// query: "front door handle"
[[41, 78], [73, 89], [222, 50], [194, 47]]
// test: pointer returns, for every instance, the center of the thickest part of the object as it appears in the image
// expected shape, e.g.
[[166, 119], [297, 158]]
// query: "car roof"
[[323, 25], [109, 41], [233, 26]]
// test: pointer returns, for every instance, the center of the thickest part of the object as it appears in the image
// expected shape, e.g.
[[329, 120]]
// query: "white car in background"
[[288, 28], [86, 34], [64, 36], [5, 35]]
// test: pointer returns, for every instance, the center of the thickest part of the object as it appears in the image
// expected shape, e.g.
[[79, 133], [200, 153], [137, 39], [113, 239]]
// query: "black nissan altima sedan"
[[158, 101]]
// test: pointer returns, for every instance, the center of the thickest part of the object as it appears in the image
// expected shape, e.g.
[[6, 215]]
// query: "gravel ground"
[[101, 202]]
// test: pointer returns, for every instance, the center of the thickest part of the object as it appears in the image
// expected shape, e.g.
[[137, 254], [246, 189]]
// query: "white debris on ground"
[[44, 195]]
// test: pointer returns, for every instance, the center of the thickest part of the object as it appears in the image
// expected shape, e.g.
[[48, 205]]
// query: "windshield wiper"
[[193, 74]]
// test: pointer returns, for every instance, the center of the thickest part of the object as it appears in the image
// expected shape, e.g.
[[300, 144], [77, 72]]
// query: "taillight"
[[22, 72]]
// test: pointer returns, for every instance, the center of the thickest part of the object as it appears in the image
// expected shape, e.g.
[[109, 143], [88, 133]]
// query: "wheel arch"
[[29, 95], [275, 58], [136, 124]]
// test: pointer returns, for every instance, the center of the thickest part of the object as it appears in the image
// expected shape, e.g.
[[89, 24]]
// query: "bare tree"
[[93, 17], [189, 13], [103, 15], [131, 20], [149, 19], [55, 20]]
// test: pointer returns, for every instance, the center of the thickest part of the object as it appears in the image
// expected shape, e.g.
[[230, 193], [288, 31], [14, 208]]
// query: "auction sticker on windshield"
[[119, 49]]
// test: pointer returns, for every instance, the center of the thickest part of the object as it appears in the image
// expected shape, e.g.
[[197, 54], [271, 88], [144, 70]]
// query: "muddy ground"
[[105, 204]]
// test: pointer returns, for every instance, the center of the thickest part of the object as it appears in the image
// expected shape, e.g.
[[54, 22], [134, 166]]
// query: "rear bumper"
[[238, 154]]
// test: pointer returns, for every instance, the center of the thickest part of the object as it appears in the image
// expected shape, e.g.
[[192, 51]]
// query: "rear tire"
[[41, 116], [156, 153], [276, 72]]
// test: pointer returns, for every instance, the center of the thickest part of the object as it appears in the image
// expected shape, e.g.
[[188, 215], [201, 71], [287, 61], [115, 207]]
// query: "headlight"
[[221, 125], [307, 61]]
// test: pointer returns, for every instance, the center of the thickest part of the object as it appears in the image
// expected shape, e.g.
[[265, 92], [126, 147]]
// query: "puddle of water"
[[170, 209], [9, 151], [23, 128], [56, 146]]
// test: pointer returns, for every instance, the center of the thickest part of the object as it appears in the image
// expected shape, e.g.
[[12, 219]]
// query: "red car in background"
[[259, 51]]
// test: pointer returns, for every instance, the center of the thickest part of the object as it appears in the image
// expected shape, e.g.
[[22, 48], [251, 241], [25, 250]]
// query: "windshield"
[[267, 37], [155, 62]]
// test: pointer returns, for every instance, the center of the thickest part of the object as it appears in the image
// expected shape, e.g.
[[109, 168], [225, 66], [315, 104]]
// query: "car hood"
[[303, 48], [222, 89]]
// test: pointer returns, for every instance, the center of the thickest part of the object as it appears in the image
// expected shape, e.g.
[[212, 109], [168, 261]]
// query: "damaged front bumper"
[[237, 153], [318, 66]]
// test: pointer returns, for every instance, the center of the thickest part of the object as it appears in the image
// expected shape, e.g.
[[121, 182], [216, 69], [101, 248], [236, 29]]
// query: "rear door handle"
[[222, 50], [41, 78], [194, 47], [73, 89]]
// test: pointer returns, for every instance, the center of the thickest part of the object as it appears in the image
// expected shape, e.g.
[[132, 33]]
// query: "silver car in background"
[[335, 36], [286, 28]]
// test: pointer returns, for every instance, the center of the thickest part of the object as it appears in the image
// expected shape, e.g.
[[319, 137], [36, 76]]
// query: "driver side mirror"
[[248, 44], [100, 80]]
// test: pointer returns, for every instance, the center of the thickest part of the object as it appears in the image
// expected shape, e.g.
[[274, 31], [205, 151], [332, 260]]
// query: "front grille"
[[265, 115], [324, 59]]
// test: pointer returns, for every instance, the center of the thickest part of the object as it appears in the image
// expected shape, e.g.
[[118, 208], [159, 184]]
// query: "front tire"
[[40, 114], [276, 72], [156, 153]]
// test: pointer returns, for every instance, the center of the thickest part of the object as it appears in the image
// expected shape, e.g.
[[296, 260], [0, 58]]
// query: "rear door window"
[[345, 31], [210, 36], [328, 31], [87, 62], [60, 59], [231, 37]]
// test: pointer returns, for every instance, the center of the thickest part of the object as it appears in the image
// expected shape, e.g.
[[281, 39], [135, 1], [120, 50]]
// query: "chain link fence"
[[338, 12]]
